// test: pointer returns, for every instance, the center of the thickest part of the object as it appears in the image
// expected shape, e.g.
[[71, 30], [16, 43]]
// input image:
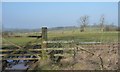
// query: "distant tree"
[[110, 27], [118, 28], [84, 20], [102, 22], [7, 33], [95, 25]]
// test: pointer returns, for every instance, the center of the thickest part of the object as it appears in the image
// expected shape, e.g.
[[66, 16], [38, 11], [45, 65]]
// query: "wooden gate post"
[[44, 43], [44, 33]]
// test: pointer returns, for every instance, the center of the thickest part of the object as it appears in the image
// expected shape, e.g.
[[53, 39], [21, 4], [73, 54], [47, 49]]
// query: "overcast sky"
[[53, 14]]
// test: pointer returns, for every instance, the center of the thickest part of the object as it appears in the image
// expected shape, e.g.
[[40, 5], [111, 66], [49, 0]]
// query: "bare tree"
[[102, 22], [84, 20]]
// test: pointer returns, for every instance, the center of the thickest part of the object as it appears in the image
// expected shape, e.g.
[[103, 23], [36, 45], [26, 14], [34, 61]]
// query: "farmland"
[[59, 35], [107, 49], [76, 35]]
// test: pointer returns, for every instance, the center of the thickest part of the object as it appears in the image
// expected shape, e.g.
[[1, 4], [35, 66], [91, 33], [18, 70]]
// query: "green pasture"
[[89, 36], [17, 41]]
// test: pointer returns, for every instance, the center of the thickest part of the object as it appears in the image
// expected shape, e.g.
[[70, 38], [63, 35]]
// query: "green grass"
[[84, 36], [18, 41], [76, 35]]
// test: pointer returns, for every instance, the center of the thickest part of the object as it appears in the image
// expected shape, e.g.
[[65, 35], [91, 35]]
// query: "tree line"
[[84, 23]]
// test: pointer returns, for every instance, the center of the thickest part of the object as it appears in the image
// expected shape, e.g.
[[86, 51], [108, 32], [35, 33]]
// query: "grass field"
[[111, 36], [84, 60], [18, 41], [84, 36]]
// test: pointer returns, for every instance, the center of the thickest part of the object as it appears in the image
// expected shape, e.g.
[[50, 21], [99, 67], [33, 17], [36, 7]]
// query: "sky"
[[60, 0], [53, 14]]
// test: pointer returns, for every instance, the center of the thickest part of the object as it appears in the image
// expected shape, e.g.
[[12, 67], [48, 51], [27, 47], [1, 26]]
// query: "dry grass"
[[87, 61]]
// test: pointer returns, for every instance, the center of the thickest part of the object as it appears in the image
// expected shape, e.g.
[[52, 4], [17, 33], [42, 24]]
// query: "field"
[[105, 54], [76, 35]]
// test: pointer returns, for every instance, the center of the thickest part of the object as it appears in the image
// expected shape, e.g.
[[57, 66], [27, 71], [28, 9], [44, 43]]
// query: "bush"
[[110, 28]]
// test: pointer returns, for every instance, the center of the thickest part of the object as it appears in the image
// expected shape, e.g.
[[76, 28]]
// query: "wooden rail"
[[36, 54], [19, 58], [44, 49], [17, 54], [6, 50], [65, 55]]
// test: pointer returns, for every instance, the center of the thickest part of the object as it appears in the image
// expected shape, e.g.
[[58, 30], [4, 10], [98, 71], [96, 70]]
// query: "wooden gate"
[[19, 52], [31, 53]]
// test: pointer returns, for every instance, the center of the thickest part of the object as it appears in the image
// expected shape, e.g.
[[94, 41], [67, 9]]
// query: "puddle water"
[[16, 66]]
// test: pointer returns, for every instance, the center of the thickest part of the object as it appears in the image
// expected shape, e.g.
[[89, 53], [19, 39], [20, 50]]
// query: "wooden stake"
[[43, 43]]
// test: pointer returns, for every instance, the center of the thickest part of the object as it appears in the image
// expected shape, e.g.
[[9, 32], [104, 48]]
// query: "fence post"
[[44, 33], [44, 44]]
